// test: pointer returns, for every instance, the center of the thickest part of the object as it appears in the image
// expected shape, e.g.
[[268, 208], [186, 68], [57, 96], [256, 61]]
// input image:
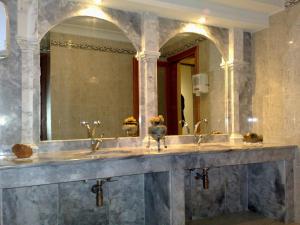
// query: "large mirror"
[[3, 31], [191, 85], [87, 74]]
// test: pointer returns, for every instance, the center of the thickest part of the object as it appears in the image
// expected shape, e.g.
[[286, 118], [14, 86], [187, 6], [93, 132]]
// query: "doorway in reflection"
[[191, 85]]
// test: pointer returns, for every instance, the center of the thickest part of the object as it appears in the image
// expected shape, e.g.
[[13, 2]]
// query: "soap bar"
[[22, 151]]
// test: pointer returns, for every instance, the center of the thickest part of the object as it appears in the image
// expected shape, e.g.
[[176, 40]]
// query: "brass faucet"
[[185, 125], [91, 132], [201, 137]]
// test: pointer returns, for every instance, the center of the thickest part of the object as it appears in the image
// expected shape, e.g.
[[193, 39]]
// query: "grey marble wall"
[[34, 205], [267, 189], [160, 198], [10, 86], [73, 203], [157, 199], [126, 200], [77, 204], [227, 192]]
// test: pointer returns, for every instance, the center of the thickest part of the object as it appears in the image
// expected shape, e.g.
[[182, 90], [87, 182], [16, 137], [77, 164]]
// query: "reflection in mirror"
[[86, 75], [3, 32], [191, 85]]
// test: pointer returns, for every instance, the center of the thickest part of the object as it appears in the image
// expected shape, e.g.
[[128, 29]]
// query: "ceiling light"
[[291, 42], [98, 2], [202, 20]]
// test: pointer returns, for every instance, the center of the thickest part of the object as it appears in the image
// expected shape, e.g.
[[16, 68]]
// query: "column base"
[[149, 143], [235, 138]]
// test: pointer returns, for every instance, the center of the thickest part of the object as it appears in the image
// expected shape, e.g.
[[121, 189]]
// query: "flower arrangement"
[[157, 130], [157, 120], [130, 126], [130, 121]]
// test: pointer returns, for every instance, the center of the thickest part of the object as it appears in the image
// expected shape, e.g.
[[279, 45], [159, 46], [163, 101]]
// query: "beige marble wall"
[[89, 85], [277, 83]]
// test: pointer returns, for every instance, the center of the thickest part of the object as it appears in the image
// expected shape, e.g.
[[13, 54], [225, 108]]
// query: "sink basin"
[[100, 152], [74, 155]]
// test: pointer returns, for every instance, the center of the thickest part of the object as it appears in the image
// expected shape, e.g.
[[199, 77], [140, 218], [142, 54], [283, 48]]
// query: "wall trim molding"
[[85, 46], [291, 3]]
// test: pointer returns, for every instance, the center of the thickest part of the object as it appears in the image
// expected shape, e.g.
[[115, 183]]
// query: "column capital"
[[148, 55], [28, 44], [233, 64]]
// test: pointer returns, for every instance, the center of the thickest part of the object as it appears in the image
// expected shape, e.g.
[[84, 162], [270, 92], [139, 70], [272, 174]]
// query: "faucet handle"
[[84, 123], [97, 122], [205, 120]]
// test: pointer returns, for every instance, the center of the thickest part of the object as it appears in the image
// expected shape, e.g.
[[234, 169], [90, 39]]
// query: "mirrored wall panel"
[[86, 75], [191, 85]]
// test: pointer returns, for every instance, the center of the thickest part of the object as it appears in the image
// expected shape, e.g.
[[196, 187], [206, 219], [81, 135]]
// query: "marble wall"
[[227, 193], [10, 87], [276, 83], [147, 198], [73, 203]]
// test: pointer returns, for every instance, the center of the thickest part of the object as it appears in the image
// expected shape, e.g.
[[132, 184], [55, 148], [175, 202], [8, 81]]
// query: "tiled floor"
[[238, 219]]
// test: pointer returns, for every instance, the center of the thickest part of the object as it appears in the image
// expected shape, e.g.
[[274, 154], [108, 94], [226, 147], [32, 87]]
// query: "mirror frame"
[[5, 52]]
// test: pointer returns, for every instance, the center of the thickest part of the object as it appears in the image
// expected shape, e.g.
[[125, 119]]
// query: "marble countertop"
[[78, 156]]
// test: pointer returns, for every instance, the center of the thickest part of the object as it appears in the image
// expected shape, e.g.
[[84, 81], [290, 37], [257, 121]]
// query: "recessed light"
[[202, 20], [291, 42], [98, 2]]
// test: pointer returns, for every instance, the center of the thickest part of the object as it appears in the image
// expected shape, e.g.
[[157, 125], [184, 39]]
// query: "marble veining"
[[144, 181], [266, 189], [10, 86], [73, 203], [227, 192], [157, 204], [38, 205]]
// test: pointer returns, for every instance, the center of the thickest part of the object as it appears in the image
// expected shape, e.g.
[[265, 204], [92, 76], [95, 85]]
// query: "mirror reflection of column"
[[191, 85], [87, 74]]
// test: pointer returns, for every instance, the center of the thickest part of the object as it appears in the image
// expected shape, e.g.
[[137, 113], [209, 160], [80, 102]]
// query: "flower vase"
[[157, 131]]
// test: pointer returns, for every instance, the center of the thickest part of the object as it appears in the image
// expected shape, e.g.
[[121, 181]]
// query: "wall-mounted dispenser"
[[200, 83]]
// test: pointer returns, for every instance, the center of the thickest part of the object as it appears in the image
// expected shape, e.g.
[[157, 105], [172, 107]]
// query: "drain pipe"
[[204, 178]]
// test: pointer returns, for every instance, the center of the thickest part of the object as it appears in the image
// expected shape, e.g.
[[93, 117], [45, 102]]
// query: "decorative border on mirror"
[[84, 46], [290, 3]]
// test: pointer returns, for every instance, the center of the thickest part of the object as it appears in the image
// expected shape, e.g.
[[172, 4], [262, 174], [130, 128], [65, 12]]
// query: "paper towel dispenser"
[[200, 83]]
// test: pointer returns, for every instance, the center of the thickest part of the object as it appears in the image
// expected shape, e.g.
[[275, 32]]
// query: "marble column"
[[148, 88], [177, 196], [148, 71], [27, 39], [29, 49], [234, 68]]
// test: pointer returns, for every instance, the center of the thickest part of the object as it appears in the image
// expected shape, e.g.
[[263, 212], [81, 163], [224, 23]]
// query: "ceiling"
[[251, 15], [91, 27]]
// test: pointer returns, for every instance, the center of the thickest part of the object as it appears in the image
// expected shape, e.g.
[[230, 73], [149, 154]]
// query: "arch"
[[4, 31], [109, 15], [217, 35]]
